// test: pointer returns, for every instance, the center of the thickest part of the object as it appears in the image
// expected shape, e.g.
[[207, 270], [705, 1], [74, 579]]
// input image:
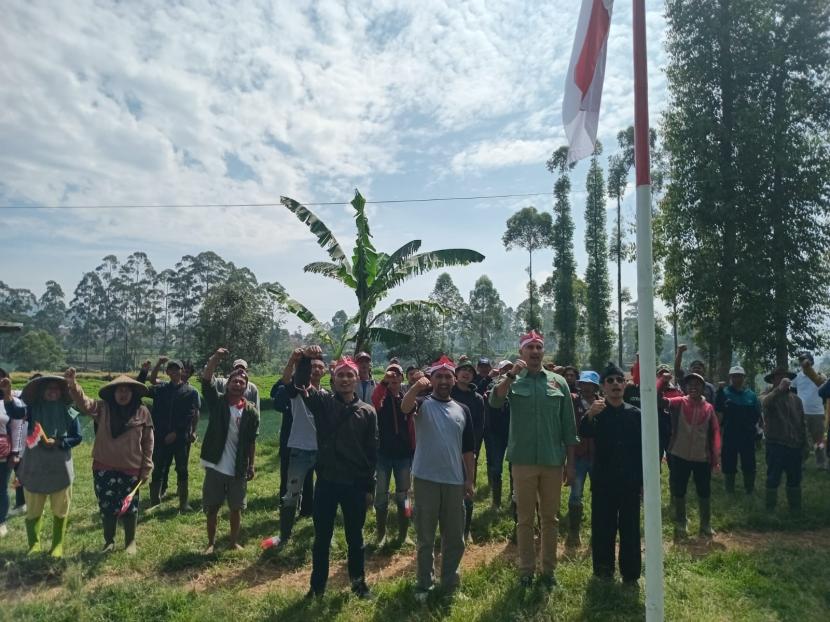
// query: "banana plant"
[[371, 275]]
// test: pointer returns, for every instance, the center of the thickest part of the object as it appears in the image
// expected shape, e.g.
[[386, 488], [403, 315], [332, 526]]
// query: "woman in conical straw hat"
[[122, 455], [46, 469]]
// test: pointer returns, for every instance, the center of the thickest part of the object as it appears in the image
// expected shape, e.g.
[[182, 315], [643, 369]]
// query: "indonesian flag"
[[34, 438], [583, 84]]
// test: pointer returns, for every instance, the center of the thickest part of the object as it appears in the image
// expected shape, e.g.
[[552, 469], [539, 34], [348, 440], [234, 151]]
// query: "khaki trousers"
[[537, 484], [58, 501]]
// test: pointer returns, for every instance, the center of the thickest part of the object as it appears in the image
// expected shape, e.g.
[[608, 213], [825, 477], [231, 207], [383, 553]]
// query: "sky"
[[194, 102]]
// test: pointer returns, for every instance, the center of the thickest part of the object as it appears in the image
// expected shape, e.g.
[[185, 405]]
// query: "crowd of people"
[[424, 429]]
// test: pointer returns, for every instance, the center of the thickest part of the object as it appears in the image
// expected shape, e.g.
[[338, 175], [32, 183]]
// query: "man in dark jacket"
[[616, 478], [228, 449], [739, 411], [396, 446], [465, 392], [347, 440]]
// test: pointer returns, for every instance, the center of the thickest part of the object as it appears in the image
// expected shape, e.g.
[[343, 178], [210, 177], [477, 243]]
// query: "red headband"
[[530, 338], [345, 361], [443, 363]]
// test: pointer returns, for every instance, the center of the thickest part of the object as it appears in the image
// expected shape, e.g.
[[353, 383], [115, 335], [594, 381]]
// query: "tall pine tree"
[[598, 291], [564, 264]]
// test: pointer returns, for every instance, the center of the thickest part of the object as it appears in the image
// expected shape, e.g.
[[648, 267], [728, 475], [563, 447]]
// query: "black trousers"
[[780, 460], [679, 477], [615, 509], [307, 498], [352, 500], [740, 443], [163, 456]]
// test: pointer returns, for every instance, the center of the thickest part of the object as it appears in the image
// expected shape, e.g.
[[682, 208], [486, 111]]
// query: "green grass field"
[[758, 567]]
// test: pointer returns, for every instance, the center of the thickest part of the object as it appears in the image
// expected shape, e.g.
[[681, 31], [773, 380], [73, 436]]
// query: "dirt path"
[[261, 578]]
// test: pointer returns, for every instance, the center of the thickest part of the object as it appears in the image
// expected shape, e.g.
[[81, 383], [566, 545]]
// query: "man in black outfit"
[[347, 442], [616, 479]]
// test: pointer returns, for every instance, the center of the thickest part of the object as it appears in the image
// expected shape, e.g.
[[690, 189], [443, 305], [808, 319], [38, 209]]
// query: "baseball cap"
[[484, 361], [737, 370], [363, 355], [505, 363], [174, 363], [240, 363]]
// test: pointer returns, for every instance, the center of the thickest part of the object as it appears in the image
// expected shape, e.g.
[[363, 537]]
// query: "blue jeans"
[[386, 467], [5, 472], [583, 470], [300, 462]]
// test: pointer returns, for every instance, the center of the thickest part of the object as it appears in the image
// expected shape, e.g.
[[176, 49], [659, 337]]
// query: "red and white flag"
[[583, 84]]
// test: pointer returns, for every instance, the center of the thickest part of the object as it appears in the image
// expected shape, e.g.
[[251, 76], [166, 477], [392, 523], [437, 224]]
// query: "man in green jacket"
[[542, 436], [228, 448]]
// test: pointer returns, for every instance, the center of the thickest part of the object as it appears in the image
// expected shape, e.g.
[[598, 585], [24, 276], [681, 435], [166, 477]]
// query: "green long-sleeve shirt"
[[542, 420]]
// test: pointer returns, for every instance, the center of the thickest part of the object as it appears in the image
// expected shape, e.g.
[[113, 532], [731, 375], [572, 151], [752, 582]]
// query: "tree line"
[[741, 181], [123, 311]]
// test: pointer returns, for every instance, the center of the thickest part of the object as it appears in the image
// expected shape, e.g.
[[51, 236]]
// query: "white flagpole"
[[645, 325]]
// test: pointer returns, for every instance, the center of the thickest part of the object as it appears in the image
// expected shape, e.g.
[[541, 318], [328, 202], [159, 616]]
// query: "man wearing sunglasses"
[[616, 478]]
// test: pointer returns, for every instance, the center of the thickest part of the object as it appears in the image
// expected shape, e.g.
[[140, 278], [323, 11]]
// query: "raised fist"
[[6, 387], [163, 360], [682, 348], [69, 375], [597, 407], [221, 353], [518, 366], [313, 352], [423, 383]]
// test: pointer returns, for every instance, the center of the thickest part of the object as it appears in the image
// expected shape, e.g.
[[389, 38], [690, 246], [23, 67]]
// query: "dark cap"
[[484, 361], [612, 370], [363, 355], [174, 363]]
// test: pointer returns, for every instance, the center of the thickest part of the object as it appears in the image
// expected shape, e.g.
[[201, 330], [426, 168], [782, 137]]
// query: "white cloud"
[[109, 103]]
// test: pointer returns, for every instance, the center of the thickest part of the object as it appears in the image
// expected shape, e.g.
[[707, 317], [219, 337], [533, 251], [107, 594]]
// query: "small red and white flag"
[[34, 438], [583, 84]]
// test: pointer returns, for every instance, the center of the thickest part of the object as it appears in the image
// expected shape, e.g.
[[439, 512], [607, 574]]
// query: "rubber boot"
[[574, 524], [681, 527], [182, 490], [130, 520], [109, 522], [749, 482], [33, 534], [821, 458], [771, 499], [705, 507], [381, 517], [794, 499], [58, 533], [468, 520], [729, 483], [403, 527], [155, 489]]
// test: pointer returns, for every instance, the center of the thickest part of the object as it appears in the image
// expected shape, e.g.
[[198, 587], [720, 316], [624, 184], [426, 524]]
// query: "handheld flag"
[[34, 438], [583, 83], [125, 505]]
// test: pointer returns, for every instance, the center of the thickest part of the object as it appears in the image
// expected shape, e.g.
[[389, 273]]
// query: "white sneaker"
[[18, 510], [4, 531]]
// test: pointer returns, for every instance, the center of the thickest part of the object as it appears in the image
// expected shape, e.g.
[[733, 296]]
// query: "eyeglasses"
[[615, 380]]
